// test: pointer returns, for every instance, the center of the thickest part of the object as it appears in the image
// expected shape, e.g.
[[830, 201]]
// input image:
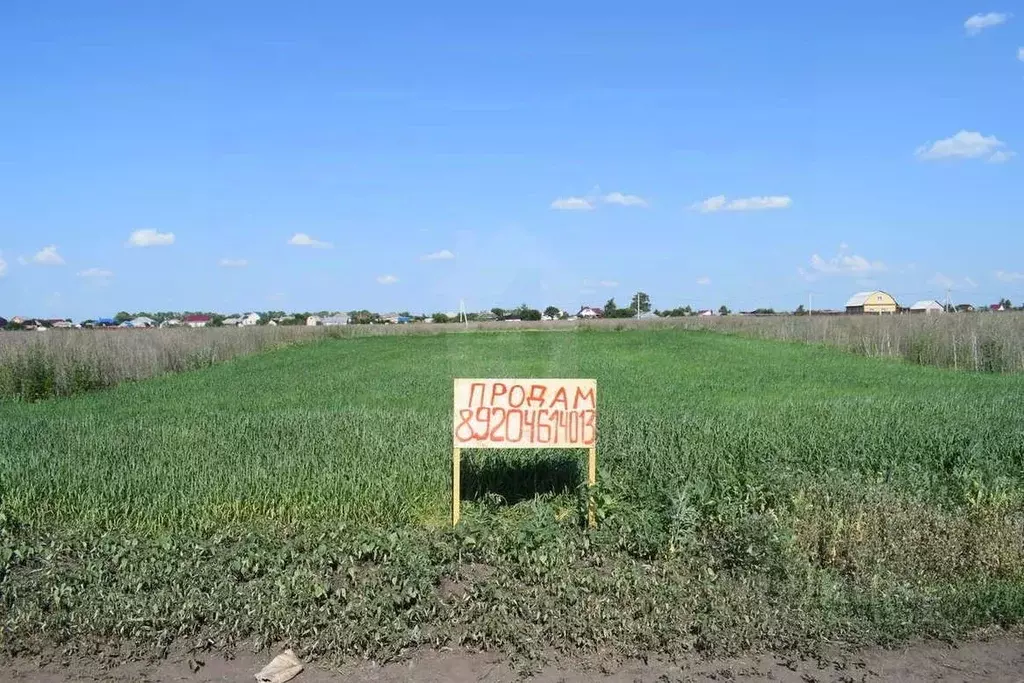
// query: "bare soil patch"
[[999, 658]]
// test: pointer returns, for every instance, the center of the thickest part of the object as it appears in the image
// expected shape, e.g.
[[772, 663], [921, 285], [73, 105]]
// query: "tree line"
[[640, 304]]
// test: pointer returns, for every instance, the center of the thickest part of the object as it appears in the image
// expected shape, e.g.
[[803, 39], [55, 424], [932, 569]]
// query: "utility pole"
[[810, 303], [947, 300]]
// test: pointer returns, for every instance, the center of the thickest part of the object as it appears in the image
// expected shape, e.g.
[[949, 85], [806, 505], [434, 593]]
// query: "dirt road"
[[997, 659]]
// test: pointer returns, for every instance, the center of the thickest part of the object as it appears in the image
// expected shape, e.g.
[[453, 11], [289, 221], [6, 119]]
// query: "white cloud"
[[624, 199], [301, 239], [3, 265], [608, 283], [96, 272], [48, 256], [964, 145], [1020, 53], [759, 203], [710, 205], [842, 263], [719, 203], [233, 263], [946, 282], [704, 281], [443, 255], [387, 279], [1004, 276], [572, 204], [979, 22], [150, 238], [1002, 156]]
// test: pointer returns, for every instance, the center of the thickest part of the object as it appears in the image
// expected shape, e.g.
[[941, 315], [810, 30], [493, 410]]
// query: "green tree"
[[1006, 303], [723, 310], [362, 317], [552, 312], [499, 313], [440, 318], [610, 308], [644, 302], [800, 310], [122, 316]]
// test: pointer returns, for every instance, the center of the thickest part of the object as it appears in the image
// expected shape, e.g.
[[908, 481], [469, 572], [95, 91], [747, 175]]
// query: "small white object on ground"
[[283, 667]]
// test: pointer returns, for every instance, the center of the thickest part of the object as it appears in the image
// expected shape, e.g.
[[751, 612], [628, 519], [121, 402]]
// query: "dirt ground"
[[999, 658]]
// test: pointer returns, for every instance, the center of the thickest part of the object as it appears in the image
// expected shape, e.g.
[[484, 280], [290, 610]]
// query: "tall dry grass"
[[35, 366], [984, 342]]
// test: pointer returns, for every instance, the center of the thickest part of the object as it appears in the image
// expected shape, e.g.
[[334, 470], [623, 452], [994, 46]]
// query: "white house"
[[589, 312], [927, 306], [231, 322], [197, 320], [334, 320], [171, 322], [250, 319], [143, 321], [313, 321]]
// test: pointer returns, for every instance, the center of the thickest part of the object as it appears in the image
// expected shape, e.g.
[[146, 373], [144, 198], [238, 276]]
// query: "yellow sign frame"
[[565, 410]]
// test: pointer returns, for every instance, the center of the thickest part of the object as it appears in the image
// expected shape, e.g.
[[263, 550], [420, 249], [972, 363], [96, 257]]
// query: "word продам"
[[535, 413]]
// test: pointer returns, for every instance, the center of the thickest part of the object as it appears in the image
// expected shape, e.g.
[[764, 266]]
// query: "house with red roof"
[[197, 320]]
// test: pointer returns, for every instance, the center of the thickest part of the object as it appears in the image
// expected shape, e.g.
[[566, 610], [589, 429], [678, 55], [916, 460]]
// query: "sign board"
[[523, 413]]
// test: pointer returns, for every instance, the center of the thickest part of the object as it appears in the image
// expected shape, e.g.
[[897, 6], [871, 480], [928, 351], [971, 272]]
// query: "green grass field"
[[753, 494]]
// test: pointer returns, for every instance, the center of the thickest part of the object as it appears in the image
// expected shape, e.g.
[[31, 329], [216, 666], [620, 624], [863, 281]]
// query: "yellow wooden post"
[[591, 482], [456, 484]]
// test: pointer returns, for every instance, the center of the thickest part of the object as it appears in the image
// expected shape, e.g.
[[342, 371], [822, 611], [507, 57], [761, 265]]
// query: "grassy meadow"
[[753, 494], [59, 363]]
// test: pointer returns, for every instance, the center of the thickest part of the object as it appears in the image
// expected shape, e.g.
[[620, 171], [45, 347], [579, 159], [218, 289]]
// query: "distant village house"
[[871, 302], [197, 320], [927, 306]]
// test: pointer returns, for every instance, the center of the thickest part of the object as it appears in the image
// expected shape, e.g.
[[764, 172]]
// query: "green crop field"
[[753, 494]]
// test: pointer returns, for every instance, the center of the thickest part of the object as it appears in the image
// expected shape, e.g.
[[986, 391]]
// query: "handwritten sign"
[[525, 413]]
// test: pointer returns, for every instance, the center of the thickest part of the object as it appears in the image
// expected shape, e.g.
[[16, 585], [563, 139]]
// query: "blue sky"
[[166, 155]]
